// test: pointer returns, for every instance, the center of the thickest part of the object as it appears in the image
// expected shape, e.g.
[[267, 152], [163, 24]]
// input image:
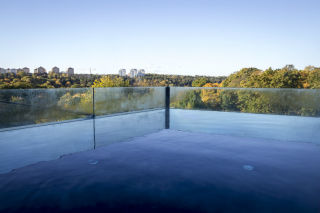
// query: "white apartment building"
[[40, 70], [122, 72], [141, 73], [3, 71], [133, 73], [15, 71], [70, 71], [55, 70], [26, 70]]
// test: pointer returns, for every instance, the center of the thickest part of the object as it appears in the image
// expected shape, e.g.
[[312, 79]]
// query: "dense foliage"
[[25, 81], [108, 81], [276, 101], [175, 80], [287, 77]]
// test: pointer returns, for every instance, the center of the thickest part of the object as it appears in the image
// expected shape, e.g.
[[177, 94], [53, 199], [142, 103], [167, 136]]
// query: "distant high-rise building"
[[141, 73], [289, 67], [122, 72], [70, 71], [3, 71], [12, 70], [55, 70], [40, 70], [133, 73], [15, 71], [26, 70]]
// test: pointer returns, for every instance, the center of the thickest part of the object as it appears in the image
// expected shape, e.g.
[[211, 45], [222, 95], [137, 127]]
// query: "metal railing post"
[[167, 109], [93, 106], [94, 120]]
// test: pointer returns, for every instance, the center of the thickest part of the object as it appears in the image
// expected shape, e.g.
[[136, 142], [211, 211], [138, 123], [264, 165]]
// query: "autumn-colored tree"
[[108, 81], [199, 82], [239, 79]]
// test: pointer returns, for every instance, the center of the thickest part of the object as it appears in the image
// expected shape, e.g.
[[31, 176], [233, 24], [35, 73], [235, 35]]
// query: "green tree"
[[108, 81], [238, 79], [199, 82]]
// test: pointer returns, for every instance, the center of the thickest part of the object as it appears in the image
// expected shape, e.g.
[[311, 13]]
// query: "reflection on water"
[[24, 146], [278, 127]]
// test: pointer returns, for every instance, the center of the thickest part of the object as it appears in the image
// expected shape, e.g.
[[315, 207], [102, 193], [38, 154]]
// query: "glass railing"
[[43, 124], [127, 99], [36, 106], [282, 114], [113, 123], [300, 102]]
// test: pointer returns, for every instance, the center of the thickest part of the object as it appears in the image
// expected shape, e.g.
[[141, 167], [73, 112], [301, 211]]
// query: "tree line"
[[286, 77], [51, 80], [27, 81], [280, 100]]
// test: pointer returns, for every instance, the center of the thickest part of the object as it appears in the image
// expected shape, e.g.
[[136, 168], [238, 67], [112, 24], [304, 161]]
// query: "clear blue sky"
[[192, 37]]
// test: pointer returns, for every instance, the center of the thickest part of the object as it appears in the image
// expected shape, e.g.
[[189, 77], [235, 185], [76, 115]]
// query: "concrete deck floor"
[[172, 171]]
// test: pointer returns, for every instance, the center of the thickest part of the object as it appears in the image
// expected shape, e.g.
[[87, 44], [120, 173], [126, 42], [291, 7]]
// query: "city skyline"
[[37, 70], [166, 37]]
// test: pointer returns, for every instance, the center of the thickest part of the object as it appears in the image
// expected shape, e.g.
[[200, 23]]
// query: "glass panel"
[[302, 102], [128, 99], [282, 114], [24, 146], [139, 111], [34, 106], [117, 128], [146, 113]]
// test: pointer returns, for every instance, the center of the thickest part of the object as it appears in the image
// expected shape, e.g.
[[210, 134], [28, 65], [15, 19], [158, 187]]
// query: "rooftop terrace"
[[160, 150]]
